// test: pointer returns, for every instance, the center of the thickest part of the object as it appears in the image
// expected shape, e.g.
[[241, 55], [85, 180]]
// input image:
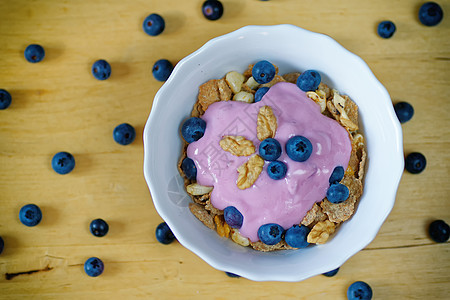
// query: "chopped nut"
[[239, 239], [266, 123], [235, 81], [340, 104], [197, 189], [251, 83], [249, 172], [237, 145], [324, 88], [223, 229], [200, 213], [244, 97], [319, 98], [320, 233]]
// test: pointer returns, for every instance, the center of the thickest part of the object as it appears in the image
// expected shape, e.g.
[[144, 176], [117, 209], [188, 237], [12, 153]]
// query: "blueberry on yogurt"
[[277, 170], [296, 236], [299, 148], [233, 217], [270, 234], [193, 129], [260, 93], [309, 80], [263, 72], [270, 149]]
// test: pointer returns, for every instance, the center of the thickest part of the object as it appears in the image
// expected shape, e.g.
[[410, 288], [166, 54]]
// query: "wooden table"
[[59, 106]]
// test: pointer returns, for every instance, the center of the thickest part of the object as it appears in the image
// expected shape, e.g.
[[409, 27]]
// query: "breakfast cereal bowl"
[[291, 49]]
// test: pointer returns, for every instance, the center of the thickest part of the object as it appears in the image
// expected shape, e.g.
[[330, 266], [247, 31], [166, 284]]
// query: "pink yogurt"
[[284, 201]]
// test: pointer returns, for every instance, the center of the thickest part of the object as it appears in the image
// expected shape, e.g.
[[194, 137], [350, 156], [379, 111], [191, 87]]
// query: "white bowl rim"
[[397, 171]]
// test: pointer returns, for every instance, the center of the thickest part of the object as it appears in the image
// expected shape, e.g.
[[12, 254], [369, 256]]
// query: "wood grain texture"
[[59, 106]]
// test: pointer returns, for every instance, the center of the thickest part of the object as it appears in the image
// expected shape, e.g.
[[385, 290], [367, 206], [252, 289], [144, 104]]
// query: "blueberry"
[[296, 236], [233, 217], [263, 72], [30, 215], [270, 149], [430, 14], [189, 169], [63, 162], [101, 69], [260, 93], [2, 245], [386, 29], [124, 134], [163, 234], [415, 162], [277, 170], [298, 148], [337, 175], [337, 193], [331, 273], [270, 234], [404, 111], [34, 53], [212, 9], [193, 129], [232, 275], [359, 290], [154, 25], [162, 69], [94, 266], [309, 80], [5, 99], [439, 231], [99, 227]]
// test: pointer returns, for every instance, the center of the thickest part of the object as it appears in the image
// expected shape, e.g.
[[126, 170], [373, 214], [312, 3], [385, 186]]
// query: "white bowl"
[[291, 49]]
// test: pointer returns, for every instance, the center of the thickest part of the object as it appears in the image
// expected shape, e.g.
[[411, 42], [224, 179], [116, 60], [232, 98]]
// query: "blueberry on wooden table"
[[124, 134], [404, 111], [331, 273], [309, 80], [30, 215], [386, 29], [99, 227], [154, 25], [263, 72], [359, 290], [101, 69], [2, 245], [34, 53], [232, 275], [439, 231], [430, 14], [415, 162], [162, 69], [163, 234], [94, 266], [212, 9], [5, 99], [63, 162]]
